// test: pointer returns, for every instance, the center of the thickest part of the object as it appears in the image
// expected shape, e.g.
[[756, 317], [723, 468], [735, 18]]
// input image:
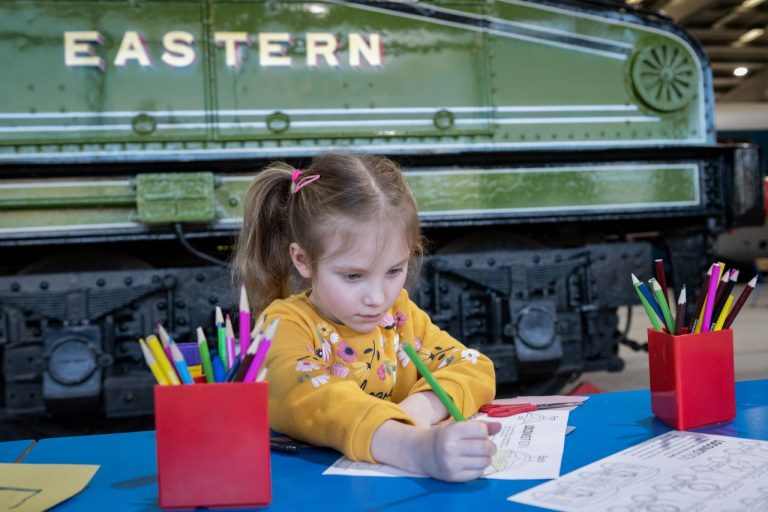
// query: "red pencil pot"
[[213, 445], [692, 378]]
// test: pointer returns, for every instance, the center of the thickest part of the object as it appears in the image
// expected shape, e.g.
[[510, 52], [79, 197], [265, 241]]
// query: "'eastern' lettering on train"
[[83, 49]]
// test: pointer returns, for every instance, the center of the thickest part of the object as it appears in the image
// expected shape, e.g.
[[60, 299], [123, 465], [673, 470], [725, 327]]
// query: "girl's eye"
[[395, 271], [351, 277]]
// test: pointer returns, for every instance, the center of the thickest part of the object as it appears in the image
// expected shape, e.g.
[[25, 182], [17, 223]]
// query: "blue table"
[[605, 424], [12, 450]]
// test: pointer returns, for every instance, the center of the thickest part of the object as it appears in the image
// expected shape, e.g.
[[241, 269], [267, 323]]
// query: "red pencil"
[[739, 303]]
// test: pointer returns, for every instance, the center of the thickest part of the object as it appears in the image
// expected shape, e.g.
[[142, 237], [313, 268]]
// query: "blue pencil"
[[181, 365], [651, 299], [233, 370], [219, 373]]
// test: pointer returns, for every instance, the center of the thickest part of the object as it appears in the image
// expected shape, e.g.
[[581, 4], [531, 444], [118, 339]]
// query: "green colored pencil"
[[648, 309], [436, 387], [205, 356], [662, 300], [221, 332]]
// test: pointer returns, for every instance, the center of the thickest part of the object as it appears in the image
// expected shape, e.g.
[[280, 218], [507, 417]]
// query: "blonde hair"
[[351, 190]]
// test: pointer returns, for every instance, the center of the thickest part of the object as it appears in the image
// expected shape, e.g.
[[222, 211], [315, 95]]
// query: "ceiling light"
[[751, 35], [748, 4], [740, 71]]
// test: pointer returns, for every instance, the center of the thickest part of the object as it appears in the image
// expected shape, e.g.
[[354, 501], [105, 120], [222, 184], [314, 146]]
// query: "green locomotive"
[[554, 147]]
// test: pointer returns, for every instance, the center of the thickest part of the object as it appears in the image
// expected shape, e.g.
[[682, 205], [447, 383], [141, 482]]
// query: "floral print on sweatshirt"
[[376, 361]]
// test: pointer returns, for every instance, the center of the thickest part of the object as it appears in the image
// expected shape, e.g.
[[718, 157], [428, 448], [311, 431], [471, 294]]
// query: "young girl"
[[346, 232]]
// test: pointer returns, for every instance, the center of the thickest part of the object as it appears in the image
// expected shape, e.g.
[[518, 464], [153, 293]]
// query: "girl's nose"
[[374, 295]]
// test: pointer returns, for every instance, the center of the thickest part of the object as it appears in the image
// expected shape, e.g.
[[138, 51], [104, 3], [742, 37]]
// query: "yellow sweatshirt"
[[332, 386]]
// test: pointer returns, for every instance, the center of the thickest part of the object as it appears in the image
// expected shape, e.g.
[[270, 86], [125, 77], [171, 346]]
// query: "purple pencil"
[[714, 280], [261, 352], [245, 322]]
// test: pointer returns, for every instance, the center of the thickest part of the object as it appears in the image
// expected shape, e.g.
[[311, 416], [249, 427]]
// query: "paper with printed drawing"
[[530, 447], [680, 471]]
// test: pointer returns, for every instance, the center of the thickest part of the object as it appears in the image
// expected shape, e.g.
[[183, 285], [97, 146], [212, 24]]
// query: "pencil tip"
[[219, 316], [753, 282], [243, 299], [635, 280]]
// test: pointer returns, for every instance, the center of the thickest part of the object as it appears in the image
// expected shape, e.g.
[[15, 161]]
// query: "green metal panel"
[[426, 72], [453, 75], [555, 189], [584, 80], [168, 197], [46, 101], [28, 207]]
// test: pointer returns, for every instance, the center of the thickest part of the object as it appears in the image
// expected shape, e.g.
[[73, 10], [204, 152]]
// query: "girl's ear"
[[300, 260]]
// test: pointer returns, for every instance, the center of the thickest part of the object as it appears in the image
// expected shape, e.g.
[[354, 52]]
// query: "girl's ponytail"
[[261, 255]]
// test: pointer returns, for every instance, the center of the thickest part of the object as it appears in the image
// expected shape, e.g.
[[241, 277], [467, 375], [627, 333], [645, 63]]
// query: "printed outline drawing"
[[19, 490]]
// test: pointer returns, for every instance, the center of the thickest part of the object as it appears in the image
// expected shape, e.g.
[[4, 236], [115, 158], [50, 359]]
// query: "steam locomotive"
[[554, 147]]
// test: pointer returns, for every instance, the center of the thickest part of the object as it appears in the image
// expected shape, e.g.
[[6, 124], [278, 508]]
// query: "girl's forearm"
[[425, 408], [399, 445]]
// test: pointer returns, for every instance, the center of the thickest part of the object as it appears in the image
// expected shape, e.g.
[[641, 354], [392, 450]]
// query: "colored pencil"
[[661, 277], [436, 387], [700, 301], [659, 293], [245, 322], [256, 331], [262, 375], [245, 361], [205, 356], [162, 359], [720, 297], [680, 316], [230, 376], [740, 303], [181, 365], [649, 297], [644, 300], [724, 293], [219, 373], [723, 313], [165, 340], [261, 352], [709, 302], [231, 346], [221, 334], [154, 367]]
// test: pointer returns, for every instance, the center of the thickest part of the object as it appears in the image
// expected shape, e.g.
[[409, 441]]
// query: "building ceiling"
[[734, 34]]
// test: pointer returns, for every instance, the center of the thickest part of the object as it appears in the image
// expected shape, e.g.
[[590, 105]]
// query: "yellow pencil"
[[162, 360], [160, 377], [724, 313]]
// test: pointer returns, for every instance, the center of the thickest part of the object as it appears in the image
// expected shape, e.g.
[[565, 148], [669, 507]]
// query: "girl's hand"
[[457, 452], [454, 452]]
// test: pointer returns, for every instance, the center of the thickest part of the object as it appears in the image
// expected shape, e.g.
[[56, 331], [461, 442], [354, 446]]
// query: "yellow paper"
[[36, 487]]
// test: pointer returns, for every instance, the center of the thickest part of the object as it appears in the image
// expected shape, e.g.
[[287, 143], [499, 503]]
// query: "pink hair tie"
[[299, 182]]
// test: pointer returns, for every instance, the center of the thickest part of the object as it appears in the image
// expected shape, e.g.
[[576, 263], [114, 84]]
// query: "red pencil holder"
[[213, 445], [692, 378]]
